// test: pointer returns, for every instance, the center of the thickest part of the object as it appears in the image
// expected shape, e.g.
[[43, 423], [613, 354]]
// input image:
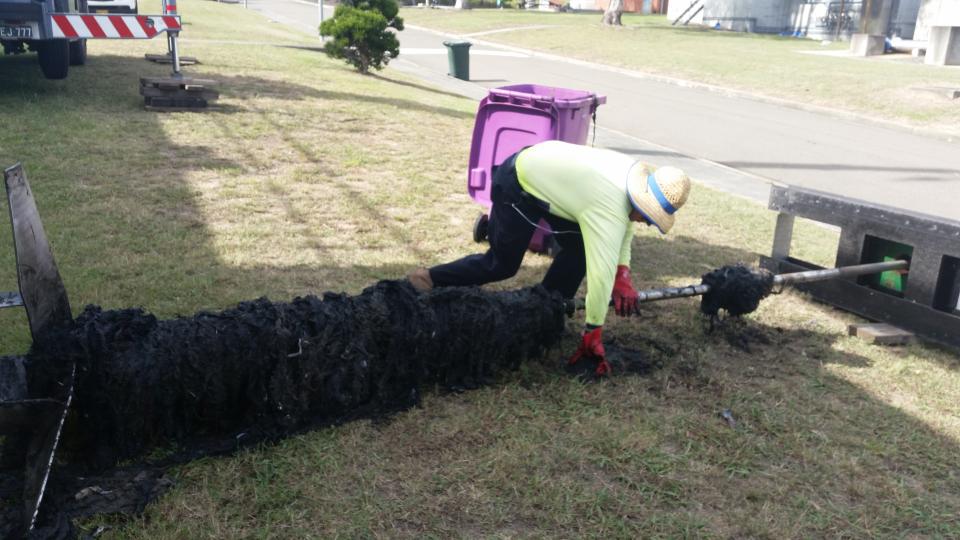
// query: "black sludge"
[[263, 370], [737, 289], [479, 335]]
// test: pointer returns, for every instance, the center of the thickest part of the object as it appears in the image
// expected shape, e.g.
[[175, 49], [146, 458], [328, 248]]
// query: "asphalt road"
[[733, 142]]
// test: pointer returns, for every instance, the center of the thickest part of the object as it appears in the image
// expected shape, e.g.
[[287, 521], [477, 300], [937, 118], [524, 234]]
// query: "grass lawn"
[[881, 87], [309, 178]]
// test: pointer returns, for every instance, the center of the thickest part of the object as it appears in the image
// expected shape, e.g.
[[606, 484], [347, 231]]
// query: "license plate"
[[16, 32], [103, 11]]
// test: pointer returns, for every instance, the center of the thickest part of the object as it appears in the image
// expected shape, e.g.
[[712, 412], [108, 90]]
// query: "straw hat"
[[659, 194]]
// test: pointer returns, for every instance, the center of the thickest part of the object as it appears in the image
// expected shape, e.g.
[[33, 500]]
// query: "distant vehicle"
[[113, 6], [25, 25]]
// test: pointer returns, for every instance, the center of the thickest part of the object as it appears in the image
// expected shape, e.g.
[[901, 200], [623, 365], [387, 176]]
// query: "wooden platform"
[[177, 93], [167, 59]]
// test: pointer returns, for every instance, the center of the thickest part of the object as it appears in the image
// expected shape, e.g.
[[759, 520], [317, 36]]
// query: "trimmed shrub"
[[359, 29]]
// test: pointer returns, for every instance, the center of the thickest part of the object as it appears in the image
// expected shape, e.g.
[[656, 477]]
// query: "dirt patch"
[[744, 336], [624, 359]]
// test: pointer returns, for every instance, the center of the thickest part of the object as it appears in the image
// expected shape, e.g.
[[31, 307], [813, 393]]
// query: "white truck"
[[26, 25]]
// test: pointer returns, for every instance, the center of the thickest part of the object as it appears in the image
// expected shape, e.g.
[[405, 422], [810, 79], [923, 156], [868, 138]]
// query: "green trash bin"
[[458, 55]]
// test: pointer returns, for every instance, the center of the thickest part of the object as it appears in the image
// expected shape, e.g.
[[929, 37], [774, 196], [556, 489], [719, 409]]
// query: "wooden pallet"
[[177, 93]]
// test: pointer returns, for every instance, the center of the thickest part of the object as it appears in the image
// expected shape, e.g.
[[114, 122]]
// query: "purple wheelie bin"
[[512, 117]]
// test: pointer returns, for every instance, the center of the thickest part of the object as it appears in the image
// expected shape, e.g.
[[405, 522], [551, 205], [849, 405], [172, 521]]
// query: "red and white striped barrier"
[[112, 26]]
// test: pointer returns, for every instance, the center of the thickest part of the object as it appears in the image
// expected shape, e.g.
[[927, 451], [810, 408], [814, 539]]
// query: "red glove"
[[591, 346], [624, 295]]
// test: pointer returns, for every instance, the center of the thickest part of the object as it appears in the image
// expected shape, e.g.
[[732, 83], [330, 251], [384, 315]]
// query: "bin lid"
[[457, 43], [562, 98]]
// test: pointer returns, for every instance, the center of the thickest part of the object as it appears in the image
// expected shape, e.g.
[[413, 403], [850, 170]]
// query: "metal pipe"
[[843, 271], [176, 54], [836, 35], [666, 293]]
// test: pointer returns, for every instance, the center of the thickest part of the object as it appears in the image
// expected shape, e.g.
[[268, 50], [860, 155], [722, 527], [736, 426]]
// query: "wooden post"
[[41, 287], [782, 236]]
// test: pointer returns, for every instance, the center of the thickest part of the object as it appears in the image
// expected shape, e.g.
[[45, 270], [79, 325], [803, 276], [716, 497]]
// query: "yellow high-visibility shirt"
[[588, 186]]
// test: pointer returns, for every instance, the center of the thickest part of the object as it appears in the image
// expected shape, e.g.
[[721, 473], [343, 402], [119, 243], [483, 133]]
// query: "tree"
[[612, 15], [360, 35]]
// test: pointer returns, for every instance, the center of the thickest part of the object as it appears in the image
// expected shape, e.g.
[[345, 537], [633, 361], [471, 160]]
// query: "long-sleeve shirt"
[[588, 186]]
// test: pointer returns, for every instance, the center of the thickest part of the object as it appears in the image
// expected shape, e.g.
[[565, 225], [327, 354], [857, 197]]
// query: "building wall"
[[772, 16], [936, 13], [750, 15], [676, 8], [629, 6], [903, 20], [826, 19], [816, 19]]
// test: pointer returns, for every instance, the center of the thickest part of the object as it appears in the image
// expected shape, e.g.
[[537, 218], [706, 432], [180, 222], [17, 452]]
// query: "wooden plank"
[[782, 236], [149, 81], [160, 108], [167, 59], [41, 287], [172, 105], [880, 333], [194, 92], [841, 211], [10, 299]]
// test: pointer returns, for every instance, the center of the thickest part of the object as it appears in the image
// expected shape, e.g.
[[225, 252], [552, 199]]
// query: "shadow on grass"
[[89, 140], [311, 48], [24, 81], [241, 86], [431, 89], [654, 260]]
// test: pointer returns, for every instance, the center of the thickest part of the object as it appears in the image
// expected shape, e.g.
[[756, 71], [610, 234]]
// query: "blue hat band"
[[655, 189]]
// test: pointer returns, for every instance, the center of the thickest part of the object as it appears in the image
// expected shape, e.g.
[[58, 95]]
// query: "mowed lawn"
[[308, 177], [889, 88]]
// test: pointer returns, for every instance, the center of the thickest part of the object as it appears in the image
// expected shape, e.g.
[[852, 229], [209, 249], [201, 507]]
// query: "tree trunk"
[[612, 15]]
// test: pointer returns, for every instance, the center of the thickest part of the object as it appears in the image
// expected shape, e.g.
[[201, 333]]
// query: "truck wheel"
[[78, 52], [54, 56]]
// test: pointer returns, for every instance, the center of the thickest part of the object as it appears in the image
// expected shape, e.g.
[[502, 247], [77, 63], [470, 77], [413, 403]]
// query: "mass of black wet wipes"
[[737, 289], [263, 370]]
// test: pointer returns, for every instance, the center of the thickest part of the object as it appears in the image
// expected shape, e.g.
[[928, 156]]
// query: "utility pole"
[[874, 23], [836, 36], [866, 17]]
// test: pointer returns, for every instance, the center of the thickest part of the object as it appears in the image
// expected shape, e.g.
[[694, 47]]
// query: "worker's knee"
[[500, 272]]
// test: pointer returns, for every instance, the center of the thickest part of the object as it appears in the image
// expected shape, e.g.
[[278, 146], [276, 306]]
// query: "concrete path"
[[727, 140]]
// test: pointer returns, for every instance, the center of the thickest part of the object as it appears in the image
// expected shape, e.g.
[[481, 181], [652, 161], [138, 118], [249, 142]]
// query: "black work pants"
[[513, 219]]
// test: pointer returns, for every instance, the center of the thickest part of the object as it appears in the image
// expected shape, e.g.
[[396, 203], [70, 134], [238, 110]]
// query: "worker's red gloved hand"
[[624, 295], [591, 346]]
